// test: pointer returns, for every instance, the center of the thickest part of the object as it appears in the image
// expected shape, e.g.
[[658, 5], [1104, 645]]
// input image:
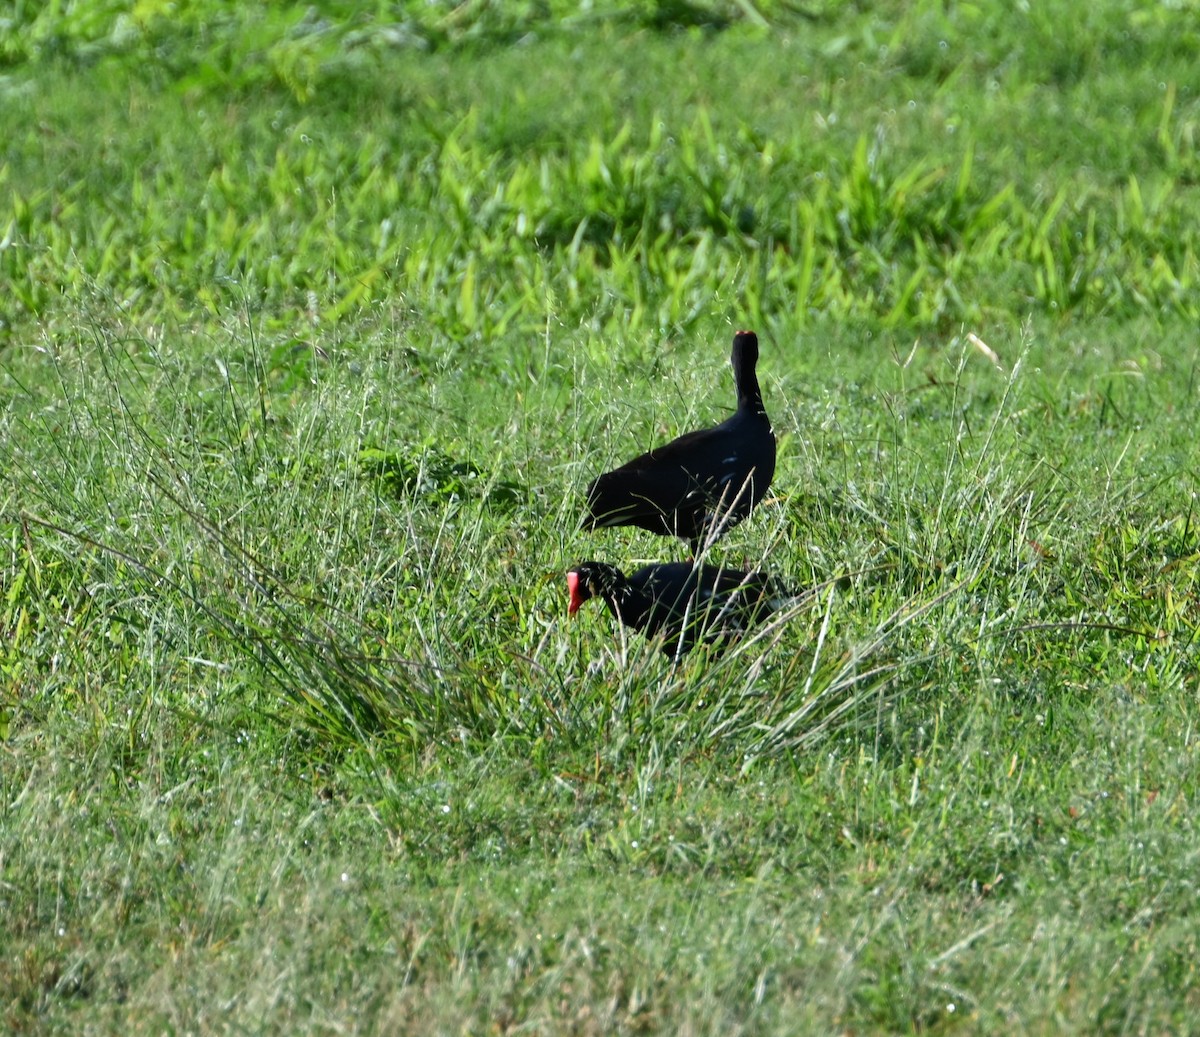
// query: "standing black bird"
[[685, 603], [703, 483]]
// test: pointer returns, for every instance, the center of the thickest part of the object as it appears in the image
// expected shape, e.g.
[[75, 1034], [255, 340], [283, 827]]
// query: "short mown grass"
[[315, 325]]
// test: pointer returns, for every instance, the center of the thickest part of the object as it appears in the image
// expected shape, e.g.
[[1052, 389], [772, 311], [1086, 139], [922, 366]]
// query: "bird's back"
[[678, 488], [702, 602]]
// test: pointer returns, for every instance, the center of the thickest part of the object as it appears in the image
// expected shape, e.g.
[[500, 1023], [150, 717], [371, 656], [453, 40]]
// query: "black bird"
[[685, 603], [703, 483]]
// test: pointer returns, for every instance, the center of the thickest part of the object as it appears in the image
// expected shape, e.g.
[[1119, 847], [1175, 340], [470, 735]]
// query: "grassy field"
[[315, 323]]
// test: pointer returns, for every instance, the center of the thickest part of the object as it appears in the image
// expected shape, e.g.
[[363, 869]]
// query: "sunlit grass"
[[317, 325]]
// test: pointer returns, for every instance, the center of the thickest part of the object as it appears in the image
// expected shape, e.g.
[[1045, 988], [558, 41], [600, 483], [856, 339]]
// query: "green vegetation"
[[315, 323]]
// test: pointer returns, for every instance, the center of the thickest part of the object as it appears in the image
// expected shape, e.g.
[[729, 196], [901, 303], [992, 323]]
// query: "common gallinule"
[[686, 603], [703, 483]]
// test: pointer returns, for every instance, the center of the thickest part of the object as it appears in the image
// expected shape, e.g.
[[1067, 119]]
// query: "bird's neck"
[[628, 604], [748, 392], [750, 397]]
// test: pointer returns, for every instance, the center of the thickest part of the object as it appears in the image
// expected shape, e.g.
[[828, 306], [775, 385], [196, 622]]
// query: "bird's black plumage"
[[685, 603], [701, 484]]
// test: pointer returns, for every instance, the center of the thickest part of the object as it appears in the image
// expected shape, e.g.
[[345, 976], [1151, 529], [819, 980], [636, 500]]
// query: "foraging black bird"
[[703, 483], [686, 603]]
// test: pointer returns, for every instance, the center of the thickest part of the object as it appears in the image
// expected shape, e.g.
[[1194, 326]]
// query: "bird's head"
[[591, 580]]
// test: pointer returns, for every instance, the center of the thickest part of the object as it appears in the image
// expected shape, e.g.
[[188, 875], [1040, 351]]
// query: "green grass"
[[315, 325]]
